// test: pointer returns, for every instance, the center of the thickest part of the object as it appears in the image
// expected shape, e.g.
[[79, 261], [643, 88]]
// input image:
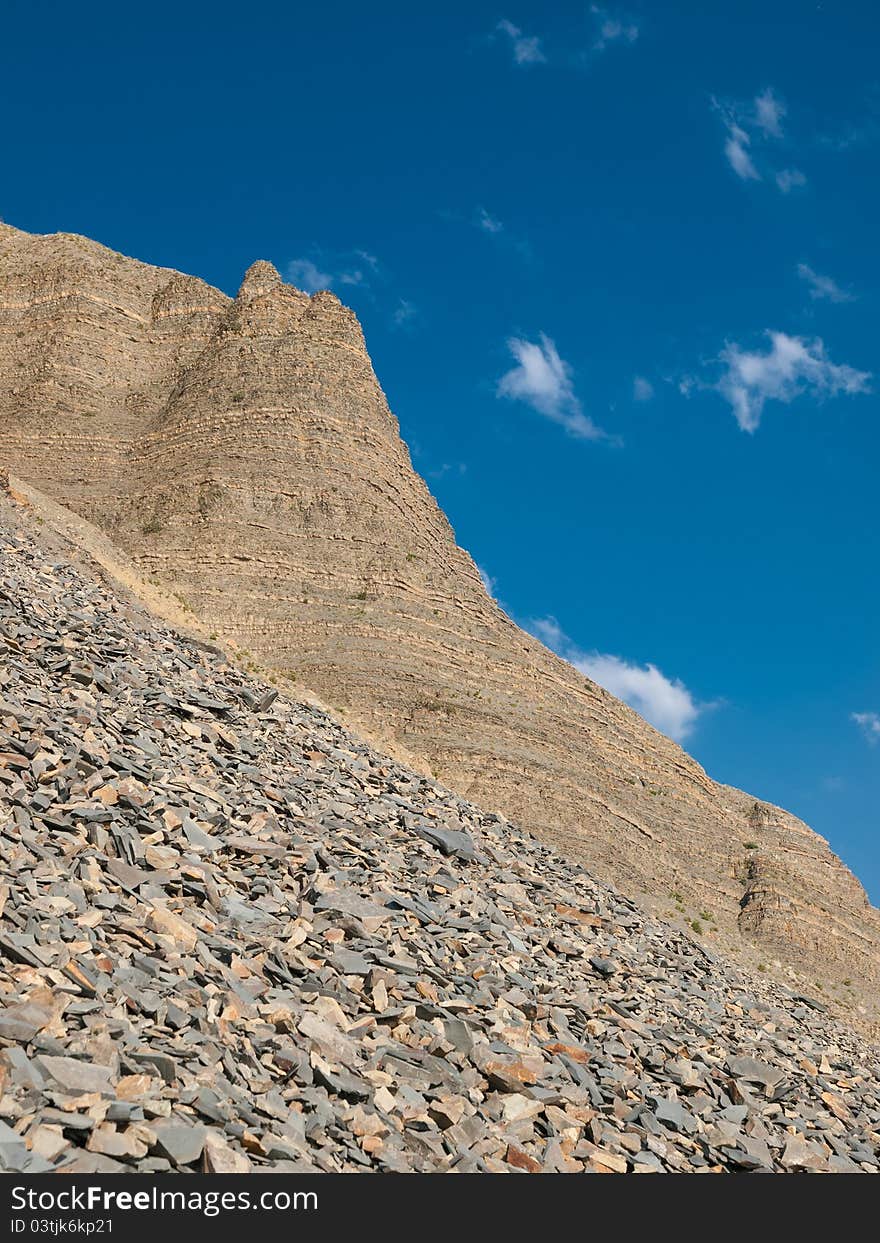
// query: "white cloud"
[[869, 723], [769, 111], [489, 224], [544, 381], [791, 366], [736, 148], [448, 468], [823, 286], [307, 276], [665, 702], [404, 314], [526, 48], [756, 123], [370, 260], [489, 583], [643, 390], [789, 179], [500, 234], [612, 28]]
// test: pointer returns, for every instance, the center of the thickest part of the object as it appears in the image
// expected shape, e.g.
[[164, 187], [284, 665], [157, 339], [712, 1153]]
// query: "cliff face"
[[243, 453]]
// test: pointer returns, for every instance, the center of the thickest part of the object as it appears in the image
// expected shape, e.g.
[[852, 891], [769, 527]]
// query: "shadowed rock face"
[[243, 453]]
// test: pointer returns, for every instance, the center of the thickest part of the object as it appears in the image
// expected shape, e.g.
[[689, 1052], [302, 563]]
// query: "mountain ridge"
[[242, 452], [234, 938]]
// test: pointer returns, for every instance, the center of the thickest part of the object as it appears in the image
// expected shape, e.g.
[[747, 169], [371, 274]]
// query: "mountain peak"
[[245, 456], [260, 278]]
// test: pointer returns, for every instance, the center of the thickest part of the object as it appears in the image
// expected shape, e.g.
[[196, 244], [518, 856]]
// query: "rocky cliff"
[[242, 452]]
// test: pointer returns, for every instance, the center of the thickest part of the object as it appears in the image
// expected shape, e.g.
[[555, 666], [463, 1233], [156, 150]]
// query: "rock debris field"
[[234, 938]]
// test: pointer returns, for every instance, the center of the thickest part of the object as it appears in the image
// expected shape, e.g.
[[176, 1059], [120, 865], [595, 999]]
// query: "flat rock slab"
[[75, 1076], [449, 841], [754, 1071], [180, 1143]]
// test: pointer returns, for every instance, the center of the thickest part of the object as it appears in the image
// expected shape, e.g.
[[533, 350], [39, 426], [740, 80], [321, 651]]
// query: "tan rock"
[[162, 857], [110, 1142], [165, 922], [134, 1087], [219, 1158], [608, 1162], [517, 1107], [47, 1141], [279, 450]]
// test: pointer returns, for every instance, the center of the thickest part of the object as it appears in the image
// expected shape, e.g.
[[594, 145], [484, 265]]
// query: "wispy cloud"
[[526, 49], [789, 179], [306, 275], [869, 723], [756, 123], [609, 27], [769, 111], [853, 136], [736, 148], [544, 381], [489, 583], [352, 269], [643, 390], [612, 28], [789, 367], [370, 260], [859, 133], [489, 224], [823, 287], [404, 314], [665, 702], [456, 469], [498, 232]]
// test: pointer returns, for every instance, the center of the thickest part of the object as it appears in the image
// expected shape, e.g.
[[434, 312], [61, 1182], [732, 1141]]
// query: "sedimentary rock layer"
[[242, 451]]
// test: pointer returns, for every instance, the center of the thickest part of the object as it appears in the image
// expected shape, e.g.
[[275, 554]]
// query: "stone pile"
[[235, 938]]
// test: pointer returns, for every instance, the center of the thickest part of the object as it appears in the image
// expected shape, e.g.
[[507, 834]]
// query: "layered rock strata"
[[243, 453]]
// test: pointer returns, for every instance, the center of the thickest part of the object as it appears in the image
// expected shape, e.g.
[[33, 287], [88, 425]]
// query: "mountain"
[[236, 938], [242, 453]]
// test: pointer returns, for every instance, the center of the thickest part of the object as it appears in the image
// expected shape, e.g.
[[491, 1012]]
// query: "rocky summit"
[[234, 937], [242, 453]]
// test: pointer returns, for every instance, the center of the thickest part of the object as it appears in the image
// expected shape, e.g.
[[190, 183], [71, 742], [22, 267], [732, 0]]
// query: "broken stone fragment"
[[221, 1158], [163, 921], [180, 1143], [449, 841], [75, 1076]]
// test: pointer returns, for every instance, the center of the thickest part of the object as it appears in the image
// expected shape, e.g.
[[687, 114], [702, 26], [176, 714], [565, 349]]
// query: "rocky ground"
[[234, 938], [241, 455]]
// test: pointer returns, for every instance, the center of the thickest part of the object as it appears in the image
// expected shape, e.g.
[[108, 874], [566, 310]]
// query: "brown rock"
[[521, 1160]]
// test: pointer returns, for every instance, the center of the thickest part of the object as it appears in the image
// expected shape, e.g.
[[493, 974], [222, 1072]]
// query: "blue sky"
[[618, 273]]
